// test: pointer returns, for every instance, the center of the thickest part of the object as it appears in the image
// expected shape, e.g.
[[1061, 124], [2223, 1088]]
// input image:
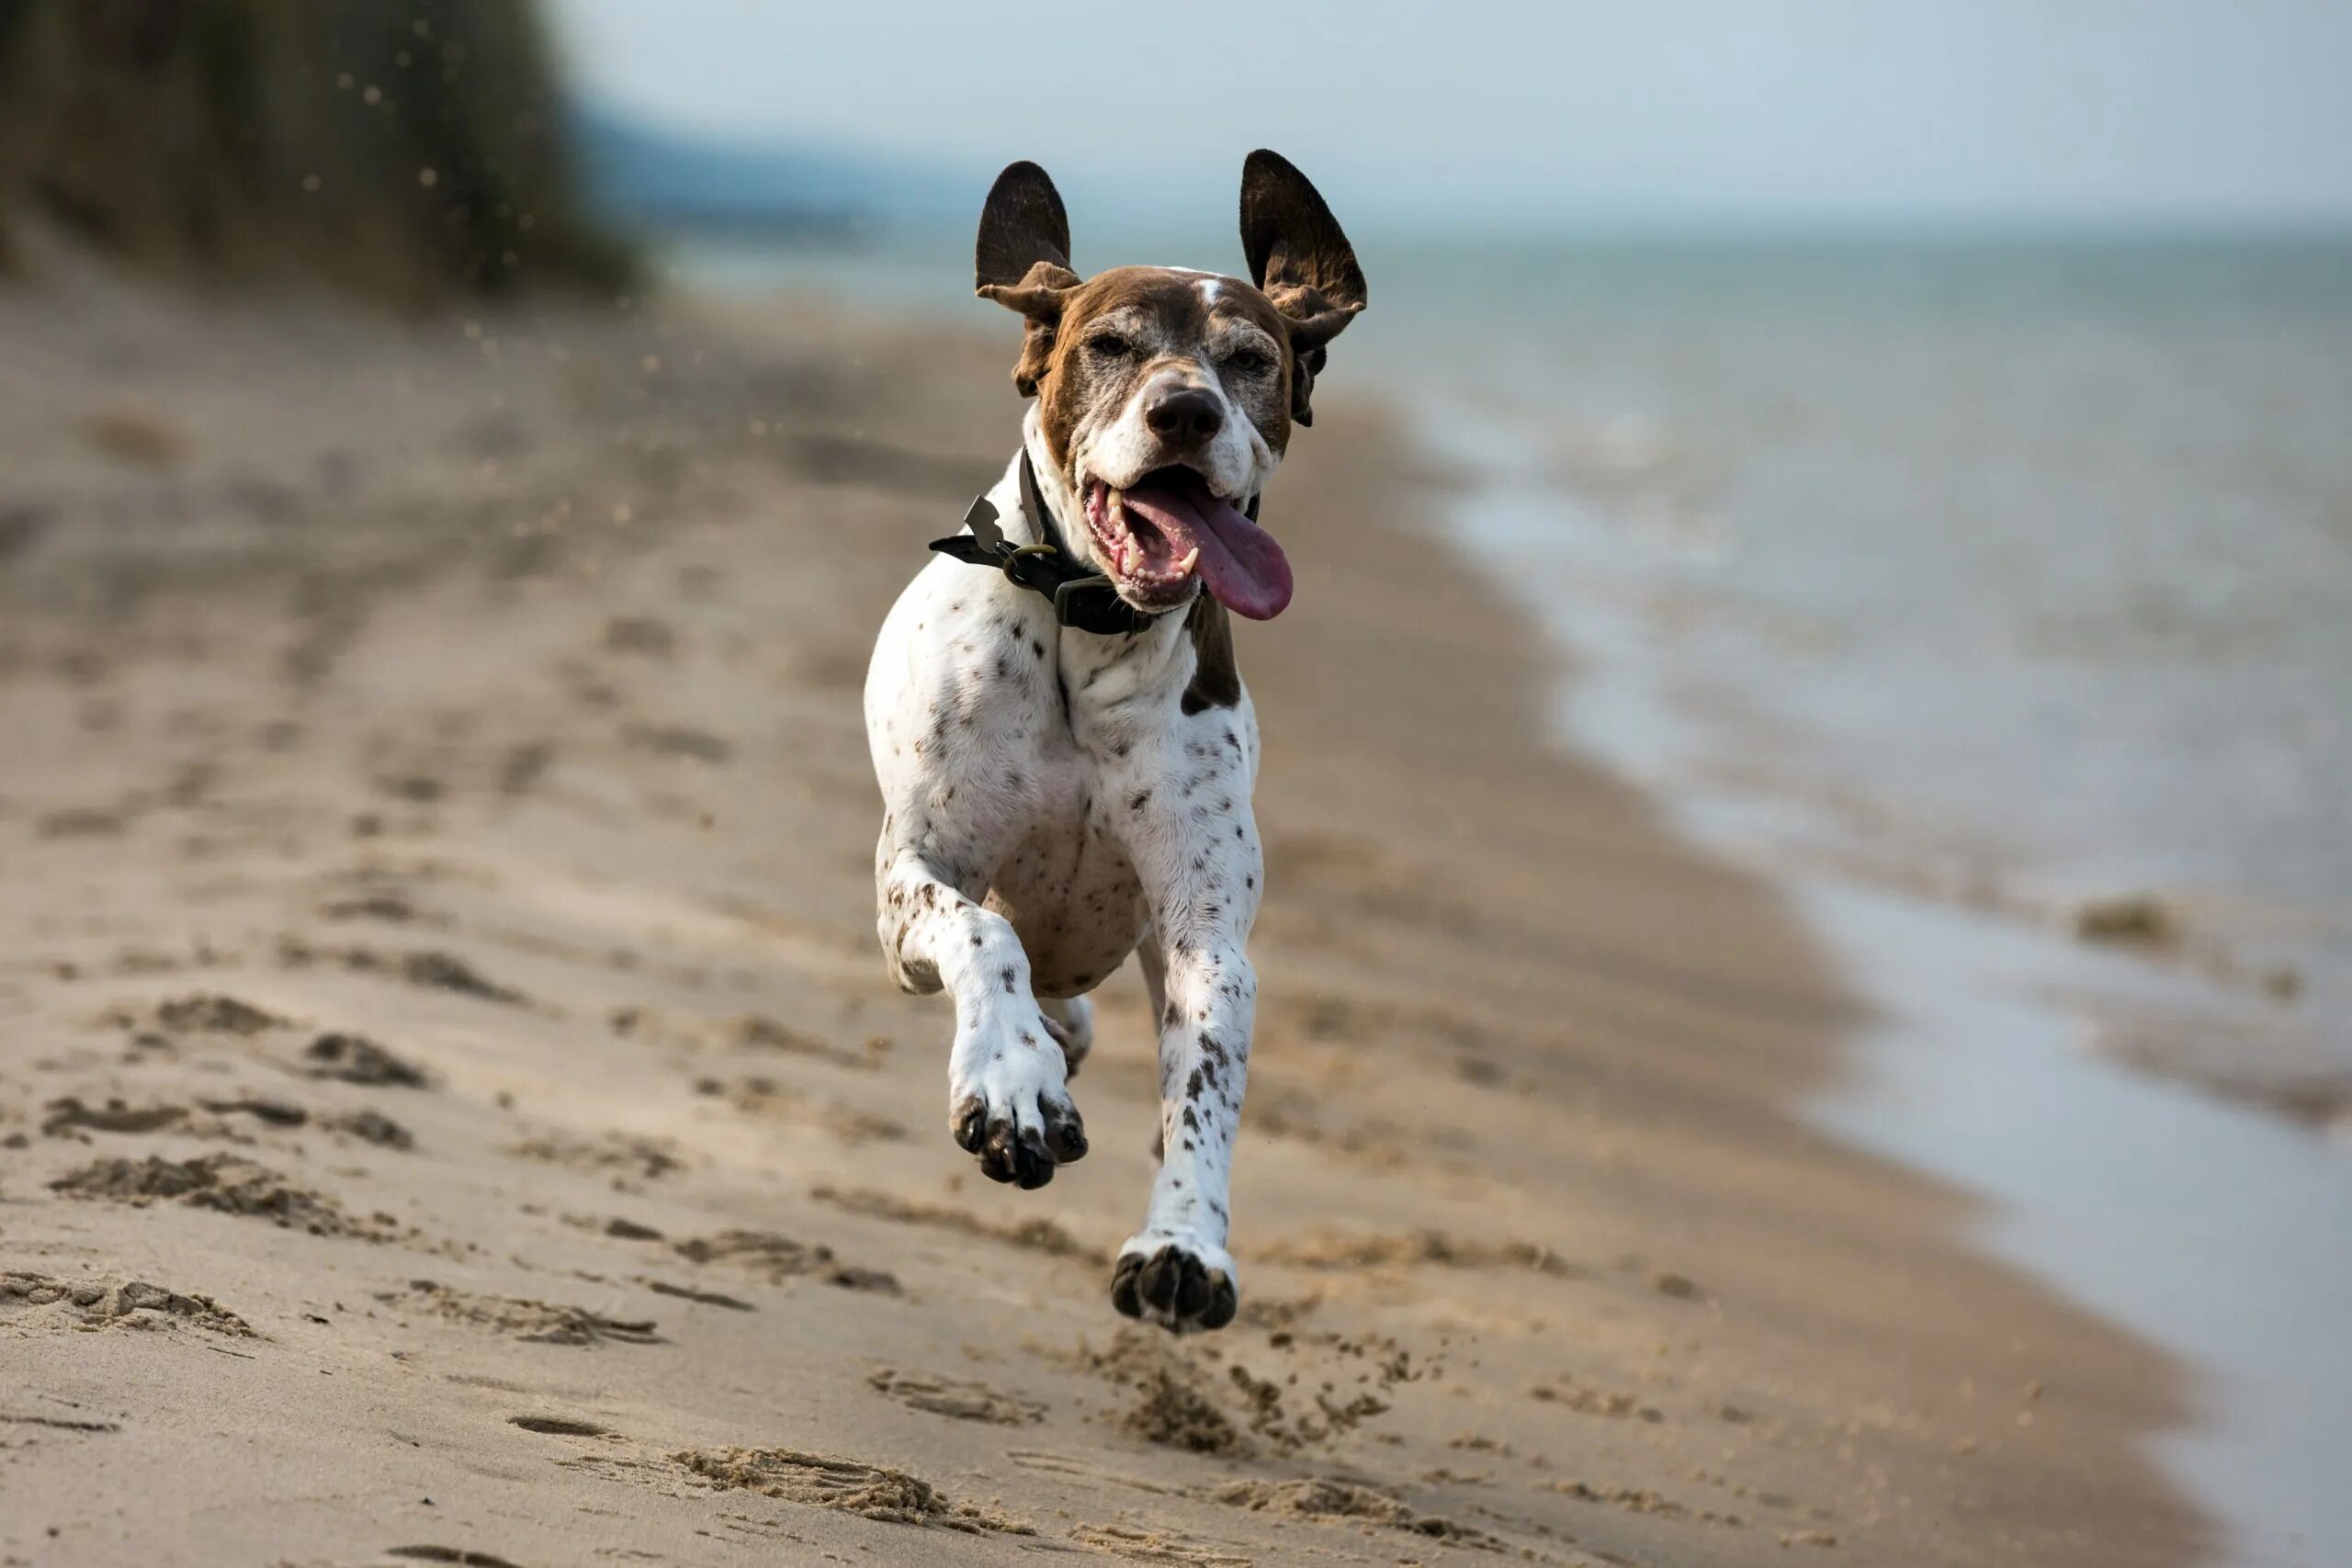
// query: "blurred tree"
[[402, 147]]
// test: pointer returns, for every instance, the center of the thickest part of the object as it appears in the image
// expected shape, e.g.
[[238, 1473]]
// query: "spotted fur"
[[1055, 800]]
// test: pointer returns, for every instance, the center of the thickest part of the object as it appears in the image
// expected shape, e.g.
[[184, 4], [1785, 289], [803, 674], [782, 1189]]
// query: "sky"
[[2033, 111]]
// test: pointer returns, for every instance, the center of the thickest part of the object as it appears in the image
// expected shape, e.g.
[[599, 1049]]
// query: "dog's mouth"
[[1159, 532]]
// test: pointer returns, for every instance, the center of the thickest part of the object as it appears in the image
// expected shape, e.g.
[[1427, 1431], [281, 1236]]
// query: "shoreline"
[[1985, 1063], [540, 768]]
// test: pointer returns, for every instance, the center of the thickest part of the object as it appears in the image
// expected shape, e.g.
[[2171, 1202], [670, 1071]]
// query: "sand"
[[454, 1110]]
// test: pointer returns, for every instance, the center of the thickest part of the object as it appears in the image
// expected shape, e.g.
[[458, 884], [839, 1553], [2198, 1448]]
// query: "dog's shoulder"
[[956, 624]]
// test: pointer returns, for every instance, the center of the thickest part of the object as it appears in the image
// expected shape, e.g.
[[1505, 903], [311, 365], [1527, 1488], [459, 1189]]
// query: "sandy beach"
[[454, 1110]]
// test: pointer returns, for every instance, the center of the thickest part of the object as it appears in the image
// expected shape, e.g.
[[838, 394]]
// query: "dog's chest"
[[1068, 880], [1043, 765], [1071, 893]]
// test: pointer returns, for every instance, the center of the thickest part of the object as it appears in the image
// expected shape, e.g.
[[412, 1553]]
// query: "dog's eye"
[[1249, 361], [1109, 346]]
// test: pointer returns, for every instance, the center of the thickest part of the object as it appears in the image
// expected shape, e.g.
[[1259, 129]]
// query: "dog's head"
[[1166, 397]]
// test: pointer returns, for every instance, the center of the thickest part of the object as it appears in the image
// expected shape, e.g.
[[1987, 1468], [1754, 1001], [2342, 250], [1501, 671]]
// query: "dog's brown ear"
[[1302, 260], [1022, 262]]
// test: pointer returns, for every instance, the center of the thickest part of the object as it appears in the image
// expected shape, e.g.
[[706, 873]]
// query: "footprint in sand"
[[1046, 1461], [59, 1423], [1344, 1501], [224, 1183], [849, 1486], [539, 1323], [1037, 1234], [557, 1427], [702, 1297], [435, 971], [71, 1117], [639, 1158], [352, 1058], [780, 1257], [59, 1117], [204, 1013], [955, 1398], [1157, 1546], [759, 1095], [136, 1304]]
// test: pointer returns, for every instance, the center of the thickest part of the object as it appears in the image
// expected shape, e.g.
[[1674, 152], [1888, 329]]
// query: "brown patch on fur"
[[1069, 380], [1216, 679], [1022, 260], [1022, 223], [1301, 257], [1039, 300]]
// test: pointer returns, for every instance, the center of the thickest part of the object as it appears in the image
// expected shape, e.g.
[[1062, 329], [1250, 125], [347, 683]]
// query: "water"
[[2209, 1227], [1954, 585], [2013, 576], [1951, 587]]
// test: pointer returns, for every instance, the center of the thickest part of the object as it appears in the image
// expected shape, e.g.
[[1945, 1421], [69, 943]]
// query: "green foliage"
[[404, 147]]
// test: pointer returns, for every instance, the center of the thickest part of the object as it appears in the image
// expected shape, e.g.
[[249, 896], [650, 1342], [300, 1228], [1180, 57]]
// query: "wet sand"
[[454, 1110]]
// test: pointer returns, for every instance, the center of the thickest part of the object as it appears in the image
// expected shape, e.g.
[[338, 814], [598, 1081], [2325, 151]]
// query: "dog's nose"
[[1184, 413]]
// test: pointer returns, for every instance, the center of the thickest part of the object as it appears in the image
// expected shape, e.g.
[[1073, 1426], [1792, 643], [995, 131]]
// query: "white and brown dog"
[[1065, 747]]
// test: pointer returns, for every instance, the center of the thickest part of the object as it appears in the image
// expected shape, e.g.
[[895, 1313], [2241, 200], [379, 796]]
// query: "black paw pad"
[[970, 1119], [1012, 1153], [1177, 1288], [1125, 1294], [1066, 1134]]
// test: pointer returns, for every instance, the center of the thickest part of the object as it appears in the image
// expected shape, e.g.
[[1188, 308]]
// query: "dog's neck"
[[1069, 520], [1105, 676]]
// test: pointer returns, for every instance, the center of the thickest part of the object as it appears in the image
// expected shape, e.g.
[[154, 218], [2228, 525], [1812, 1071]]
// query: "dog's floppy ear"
[[1022, 262], [1301, 259]]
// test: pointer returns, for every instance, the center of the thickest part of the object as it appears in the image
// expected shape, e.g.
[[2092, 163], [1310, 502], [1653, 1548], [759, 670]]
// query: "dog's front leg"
[[1176, 1271], [1008, 1096]]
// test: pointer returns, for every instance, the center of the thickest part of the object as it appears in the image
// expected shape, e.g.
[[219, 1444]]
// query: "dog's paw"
[[1071, 1023], [1012, 1108], [1181, 1283]]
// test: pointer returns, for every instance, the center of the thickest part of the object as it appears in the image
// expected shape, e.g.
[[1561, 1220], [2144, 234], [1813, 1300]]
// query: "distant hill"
[[639, 174]]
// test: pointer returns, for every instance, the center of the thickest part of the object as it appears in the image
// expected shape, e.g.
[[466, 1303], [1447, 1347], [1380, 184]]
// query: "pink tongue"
[[1241, 564]]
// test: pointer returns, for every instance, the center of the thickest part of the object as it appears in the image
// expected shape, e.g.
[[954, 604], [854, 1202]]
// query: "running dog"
[[1063, 743]]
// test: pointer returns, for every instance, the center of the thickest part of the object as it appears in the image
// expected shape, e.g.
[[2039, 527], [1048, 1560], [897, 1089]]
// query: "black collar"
[[1083, 598]]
